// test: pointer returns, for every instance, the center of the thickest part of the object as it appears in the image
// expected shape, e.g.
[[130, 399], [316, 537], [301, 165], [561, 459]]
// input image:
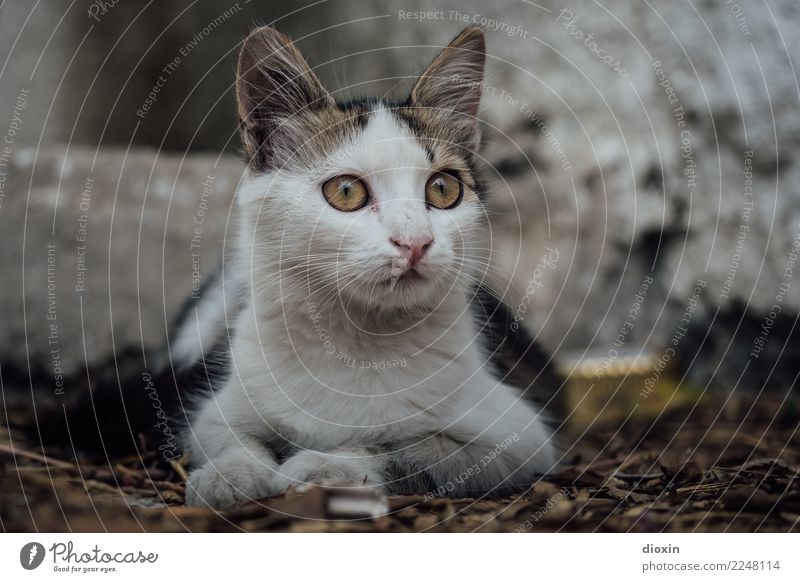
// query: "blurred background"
[[642, 158]]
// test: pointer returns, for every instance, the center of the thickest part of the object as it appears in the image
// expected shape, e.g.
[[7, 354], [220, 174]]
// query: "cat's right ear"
[[451, 85], [273, 83]]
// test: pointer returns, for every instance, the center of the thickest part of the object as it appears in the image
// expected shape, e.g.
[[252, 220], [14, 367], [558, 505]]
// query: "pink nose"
[[413, 248]]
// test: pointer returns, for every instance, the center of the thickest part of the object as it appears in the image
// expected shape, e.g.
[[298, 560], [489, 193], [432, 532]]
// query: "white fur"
[[322, 318]]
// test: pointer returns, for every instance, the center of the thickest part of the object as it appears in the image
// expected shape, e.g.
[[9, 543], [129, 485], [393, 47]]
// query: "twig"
[[178, 468], [9, 450]]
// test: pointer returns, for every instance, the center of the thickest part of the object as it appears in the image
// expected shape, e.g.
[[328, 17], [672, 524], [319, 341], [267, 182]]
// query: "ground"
[[697, 467]]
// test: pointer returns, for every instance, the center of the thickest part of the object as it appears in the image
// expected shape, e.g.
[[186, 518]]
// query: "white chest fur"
[[331, 381]]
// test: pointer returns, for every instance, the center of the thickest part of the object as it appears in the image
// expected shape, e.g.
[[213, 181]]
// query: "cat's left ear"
[[451, 85]]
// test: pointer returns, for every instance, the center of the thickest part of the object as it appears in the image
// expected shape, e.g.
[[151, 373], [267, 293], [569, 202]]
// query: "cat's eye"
[[346, 193], [443, 190]]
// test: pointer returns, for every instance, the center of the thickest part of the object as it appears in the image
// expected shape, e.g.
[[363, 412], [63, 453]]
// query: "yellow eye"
[[345, 193], [443, 190]]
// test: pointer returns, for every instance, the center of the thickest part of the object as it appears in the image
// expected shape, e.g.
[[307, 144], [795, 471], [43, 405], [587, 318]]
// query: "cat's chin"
[[410, 279], [410, 290]]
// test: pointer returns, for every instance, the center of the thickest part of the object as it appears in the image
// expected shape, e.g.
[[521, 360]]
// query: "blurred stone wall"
[[641, 155], [107, 245]]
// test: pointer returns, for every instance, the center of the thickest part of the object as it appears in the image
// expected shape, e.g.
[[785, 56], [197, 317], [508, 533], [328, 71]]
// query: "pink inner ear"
[[453, 80]]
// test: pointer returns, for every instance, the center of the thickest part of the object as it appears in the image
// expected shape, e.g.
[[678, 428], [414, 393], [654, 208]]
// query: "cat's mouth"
[[404, 279]]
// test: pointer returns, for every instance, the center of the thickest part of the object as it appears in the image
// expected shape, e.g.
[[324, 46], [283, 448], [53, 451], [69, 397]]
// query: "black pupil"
[[345, 188], [440, 185]]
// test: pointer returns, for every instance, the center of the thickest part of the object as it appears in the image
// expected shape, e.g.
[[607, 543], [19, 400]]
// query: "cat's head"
[[374, 202]]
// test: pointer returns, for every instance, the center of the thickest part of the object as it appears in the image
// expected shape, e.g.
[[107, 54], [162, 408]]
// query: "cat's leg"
[[497, 448], [357, 467], [490, 449], [240, 475], [232, 467]]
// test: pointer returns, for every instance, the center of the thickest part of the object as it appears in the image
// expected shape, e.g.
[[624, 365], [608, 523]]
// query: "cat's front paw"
[[225, 483], [340, 467]]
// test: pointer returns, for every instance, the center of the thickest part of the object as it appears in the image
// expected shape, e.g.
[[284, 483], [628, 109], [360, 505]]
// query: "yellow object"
[[607, 390]]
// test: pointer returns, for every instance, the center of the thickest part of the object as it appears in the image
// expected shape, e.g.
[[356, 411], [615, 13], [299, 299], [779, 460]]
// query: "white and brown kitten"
[[357, 355]]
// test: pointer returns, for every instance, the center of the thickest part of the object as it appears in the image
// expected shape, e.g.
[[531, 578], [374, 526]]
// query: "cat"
[[363, 350]]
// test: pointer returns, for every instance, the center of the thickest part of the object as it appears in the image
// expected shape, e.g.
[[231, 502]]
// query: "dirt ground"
[[697, 467]]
